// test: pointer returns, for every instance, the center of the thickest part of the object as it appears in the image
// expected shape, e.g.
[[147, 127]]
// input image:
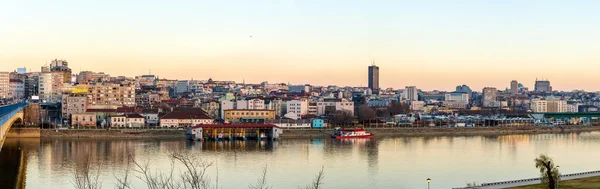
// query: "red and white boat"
[[350, 133]]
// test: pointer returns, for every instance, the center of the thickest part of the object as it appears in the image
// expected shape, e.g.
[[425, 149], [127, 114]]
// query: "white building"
[[251, 104], [226, 105], [17, 89], [184, 119], [58, 63], [129, 120], [559, 106], [151, 117], [298, 107], [290, 123], [417, 105], [49, 86], [4, 85], [457, 97], [312, 108], [327, 106], [573, 107], [538, 105], [411, 93]]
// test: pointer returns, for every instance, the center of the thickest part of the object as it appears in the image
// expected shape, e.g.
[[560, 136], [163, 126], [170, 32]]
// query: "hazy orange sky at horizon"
[[430, 44]]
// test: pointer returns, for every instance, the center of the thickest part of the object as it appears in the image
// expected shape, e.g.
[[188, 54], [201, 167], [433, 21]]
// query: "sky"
[[431, 44]]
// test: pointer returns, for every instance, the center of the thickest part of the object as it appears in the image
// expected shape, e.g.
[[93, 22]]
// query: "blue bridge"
[[9, 115]]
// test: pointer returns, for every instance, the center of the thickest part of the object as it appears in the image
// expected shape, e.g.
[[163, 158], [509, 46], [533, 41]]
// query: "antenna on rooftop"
[[373, 62]]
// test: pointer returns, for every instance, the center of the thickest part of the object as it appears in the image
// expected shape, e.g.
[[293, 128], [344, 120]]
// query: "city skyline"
[[365, 85], [431, 45]]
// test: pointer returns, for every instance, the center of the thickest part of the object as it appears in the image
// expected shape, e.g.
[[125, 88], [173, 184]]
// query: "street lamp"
[[428, 181], [557, 177]]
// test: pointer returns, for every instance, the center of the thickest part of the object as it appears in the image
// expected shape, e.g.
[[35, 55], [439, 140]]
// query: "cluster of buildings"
[[96, 99]]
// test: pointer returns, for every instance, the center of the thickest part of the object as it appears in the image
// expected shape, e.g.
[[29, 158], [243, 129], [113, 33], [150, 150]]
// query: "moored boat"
[[350, 133]]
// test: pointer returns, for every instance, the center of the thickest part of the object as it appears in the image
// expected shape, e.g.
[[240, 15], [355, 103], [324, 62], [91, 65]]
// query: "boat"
[[340, 133]]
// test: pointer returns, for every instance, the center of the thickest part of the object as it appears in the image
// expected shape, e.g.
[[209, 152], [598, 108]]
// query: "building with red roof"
[[233, 131], [185, 118]]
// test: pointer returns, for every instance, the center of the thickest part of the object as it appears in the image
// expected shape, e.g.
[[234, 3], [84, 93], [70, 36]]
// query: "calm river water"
[[400, 162]]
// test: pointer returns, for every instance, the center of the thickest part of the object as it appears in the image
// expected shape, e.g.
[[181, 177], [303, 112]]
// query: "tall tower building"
[[411, 93], [374, 78], [542, 86], [4, 84], [514, 87], [489, 97]]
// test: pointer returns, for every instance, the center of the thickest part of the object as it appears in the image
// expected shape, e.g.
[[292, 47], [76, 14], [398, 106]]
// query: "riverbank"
[[321, 133], [437, 131], [113, 133]]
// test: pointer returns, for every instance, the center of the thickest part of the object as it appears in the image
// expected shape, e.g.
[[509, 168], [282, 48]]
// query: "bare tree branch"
[[261, 183], [83, 175], [317, 182]]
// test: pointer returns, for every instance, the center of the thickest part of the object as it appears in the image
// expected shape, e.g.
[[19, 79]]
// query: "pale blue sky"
[[430, 44]]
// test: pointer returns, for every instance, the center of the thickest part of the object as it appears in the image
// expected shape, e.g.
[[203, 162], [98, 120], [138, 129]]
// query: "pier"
[[218, 132]]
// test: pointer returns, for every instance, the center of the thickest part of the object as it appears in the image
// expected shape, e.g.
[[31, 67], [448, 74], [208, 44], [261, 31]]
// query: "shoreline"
[[322, 133], [437, 131]]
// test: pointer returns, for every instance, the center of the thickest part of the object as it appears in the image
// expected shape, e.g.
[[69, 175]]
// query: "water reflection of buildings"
[[522, 139], [14, 161], [235, 145], [346, 147], [60, 152]]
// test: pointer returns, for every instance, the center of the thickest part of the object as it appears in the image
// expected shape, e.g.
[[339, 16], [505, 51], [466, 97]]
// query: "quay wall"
[[438, 131], [318, 133], [104, 133], [15, 132]]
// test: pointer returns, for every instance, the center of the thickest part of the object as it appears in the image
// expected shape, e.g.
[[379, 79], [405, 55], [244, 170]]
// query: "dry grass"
[[584, 183]]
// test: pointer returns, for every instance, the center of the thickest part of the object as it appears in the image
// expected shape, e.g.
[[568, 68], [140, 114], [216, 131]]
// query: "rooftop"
[[186, 115], [235, 126], [252, 110]]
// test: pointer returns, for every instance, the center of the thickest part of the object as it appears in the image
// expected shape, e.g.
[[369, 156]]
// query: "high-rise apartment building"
[[65, 71], [110, 95], [538, 105], [489, 97], [457, 97], [31, 84], [58, 63], [514, 87], [464, 89], [49, 86], [91, 77], [411, 93], [542, 86], [74, 103], [299, 107], [4, 84], [17, 89], [374, 78]]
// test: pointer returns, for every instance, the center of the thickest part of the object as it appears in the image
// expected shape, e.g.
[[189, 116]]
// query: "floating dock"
[[233, 132]]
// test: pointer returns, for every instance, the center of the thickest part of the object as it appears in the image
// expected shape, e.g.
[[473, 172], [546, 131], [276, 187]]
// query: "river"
[[390, 162]]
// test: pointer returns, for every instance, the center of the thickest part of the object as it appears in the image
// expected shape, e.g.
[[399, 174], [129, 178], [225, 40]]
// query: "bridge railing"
[[6, 112], [534, 179]]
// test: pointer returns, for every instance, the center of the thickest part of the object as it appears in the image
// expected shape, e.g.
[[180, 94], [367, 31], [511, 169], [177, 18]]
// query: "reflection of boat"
[[351, 133]]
